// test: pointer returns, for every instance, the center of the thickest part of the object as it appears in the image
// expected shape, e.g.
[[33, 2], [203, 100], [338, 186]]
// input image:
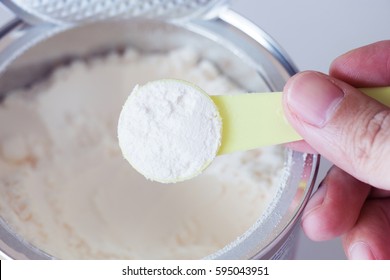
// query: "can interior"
[[236, 54]]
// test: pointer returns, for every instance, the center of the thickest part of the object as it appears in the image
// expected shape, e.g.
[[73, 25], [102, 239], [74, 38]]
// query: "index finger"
[[367, 66]]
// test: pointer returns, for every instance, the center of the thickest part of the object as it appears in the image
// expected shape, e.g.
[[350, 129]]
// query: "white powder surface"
[[169, 130], [66, 188]]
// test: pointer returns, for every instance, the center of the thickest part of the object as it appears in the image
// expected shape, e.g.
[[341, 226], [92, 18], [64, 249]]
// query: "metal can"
[[225, 38]]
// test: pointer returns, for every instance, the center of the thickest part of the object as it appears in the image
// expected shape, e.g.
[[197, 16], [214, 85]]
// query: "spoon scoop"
[[171, 130]]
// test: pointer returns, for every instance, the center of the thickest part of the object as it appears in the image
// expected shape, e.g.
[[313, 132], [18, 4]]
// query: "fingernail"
[[360, 251], [313, 98]]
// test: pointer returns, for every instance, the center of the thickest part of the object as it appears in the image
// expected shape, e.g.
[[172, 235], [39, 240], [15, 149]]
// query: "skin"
[[352, 131]]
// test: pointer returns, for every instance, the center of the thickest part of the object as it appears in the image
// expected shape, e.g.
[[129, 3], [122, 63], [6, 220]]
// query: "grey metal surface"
[[73, 11]]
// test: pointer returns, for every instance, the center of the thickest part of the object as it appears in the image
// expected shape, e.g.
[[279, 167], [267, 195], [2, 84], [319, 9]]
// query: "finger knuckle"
[[372, 139]]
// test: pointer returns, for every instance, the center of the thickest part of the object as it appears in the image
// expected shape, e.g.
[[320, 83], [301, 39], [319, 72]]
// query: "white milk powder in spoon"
[[168, 131]]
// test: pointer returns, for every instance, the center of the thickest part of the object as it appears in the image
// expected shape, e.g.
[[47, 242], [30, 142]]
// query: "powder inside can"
[[169, 130], [65, 187]]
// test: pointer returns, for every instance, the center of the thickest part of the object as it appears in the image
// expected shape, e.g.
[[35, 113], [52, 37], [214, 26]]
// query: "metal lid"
[[79, 11]]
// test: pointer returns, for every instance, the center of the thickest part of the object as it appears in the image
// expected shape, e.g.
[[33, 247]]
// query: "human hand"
[[352, 131]]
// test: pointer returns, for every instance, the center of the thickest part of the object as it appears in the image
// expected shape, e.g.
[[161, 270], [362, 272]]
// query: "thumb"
[[344, 125]]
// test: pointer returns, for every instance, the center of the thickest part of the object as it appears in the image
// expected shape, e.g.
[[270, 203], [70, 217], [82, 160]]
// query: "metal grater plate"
[[73, 11]]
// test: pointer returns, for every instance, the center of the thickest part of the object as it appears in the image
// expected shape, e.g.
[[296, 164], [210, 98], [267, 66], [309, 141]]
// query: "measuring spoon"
[[247, 121]]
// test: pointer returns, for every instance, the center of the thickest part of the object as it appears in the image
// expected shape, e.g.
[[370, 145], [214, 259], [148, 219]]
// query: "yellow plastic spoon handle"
[[256, 119]]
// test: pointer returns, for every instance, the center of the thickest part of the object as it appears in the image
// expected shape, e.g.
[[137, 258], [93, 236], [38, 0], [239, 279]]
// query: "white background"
[[313, 33], [113, 270]]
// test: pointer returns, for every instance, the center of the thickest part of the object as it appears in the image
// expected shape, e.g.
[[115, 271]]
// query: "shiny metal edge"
[[259, 35], [272, 248]]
